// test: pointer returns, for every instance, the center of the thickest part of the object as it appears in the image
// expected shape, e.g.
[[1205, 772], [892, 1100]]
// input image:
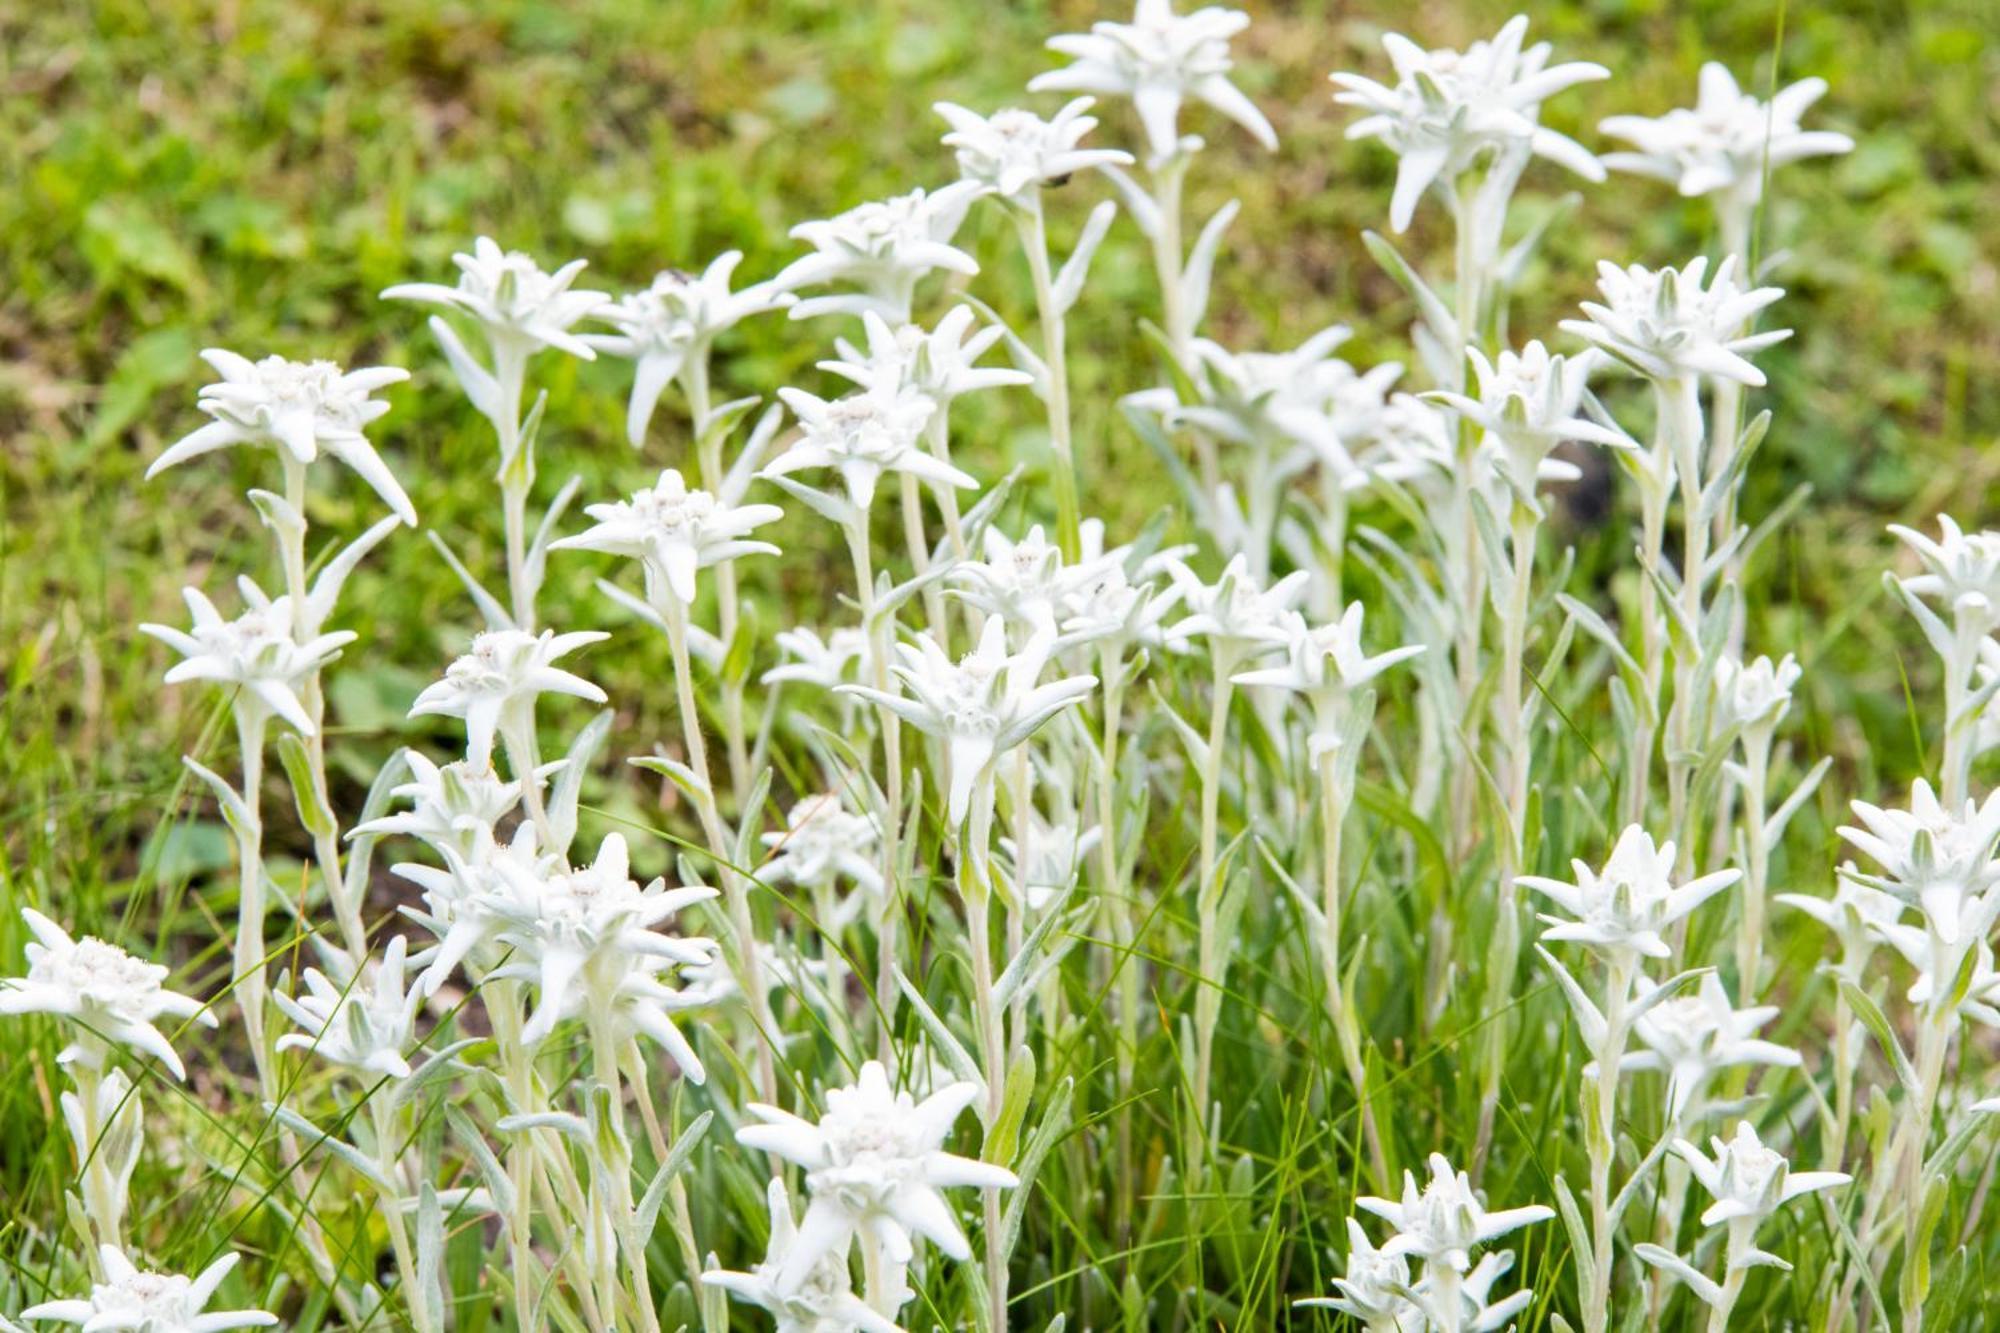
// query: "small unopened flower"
[[1159, 60], [1529, 403], [1691, 1038], [1757, 695], [1749, 1181], [875, 1165], [822, 1300], [821, 844], [1627, 905], [676, 319], [1941, 861], [256, 652], [110, 996], [1327, 665], [521, 308], [1665, 324], [1013, 153], [493, 688], [1445, 1221], [300, 408], [135, 1299], [981, 706], [674, 532], [1727, 141], [1449, 108], [884, 248], [366, 1025], [863, 436]]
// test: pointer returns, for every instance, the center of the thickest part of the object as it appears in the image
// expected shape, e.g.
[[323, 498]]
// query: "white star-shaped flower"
[[366, 1025], [863, 436], [875, 1164], [1691, 1038], [823, 1301], [1749, 1181], [1443, 1222], [1449, 108], [1159, 60], [520, 307], [1727, 141], [1665, 324], [493, 688], [136, 1300], [256, 652], [884, 248], [110, 996], [1014, 153], [673, 532], [299, 407], [1327, 665], [821, 844], [1627, 905], [1941, 861]]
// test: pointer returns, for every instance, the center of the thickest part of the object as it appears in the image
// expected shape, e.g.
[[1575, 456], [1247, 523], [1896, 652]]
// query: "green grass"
[[250, 174]]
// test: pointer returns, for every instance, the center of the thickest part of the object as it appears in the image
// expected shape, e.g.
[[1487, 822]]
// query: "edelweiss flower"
[[147, 1302], [587, 940], [1159, 60], [494, 687], [1327, 665], [981, 706], [1256, 398], [1961, 570], [1940, 861], [521, 308], [1691, 1038], [1528, 404], [673, 532], [108, 994], [1442, 1223], [366, 1025], [1056, 851], [299, 407], [863, 436], [1021, 582], [884, 248], [1749, 1181], [674, 320], [823, 1300], [1630, 902], [453, 807], [1665, 325], [1373, 1287], [1448, 108], [1727, 141], [821, 844], [875, 1164], [1755, 697], [1013, 153], [1233, 610], [827, 663], [939, 364], [1858, 916], [255, 652]]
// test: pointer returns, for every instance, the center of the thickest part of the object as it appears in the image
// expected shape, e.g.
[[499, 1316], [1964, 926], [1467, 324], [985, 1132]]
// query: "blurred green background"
[[250, 174]]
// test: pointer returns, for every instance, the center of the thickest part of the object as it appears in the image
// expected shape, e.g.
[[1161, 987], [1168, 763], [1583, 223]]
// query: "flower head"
[[1442, 1223], [1159, 60], [875, 1164], [299, 408], [1727, 141], [1859, 916], [821, 844], [1754, 696], [1749, 1181], [140, 1301], [821, 1301], [1961, 570], [1691, 1038], [1941, 861], [1627, 905], [673, 532], [494, 686], [453, 807], [939, 364], [1054, 855], [980, 706], [885, 248], [863, 436], [521, 308], [828, 663], [1528, 404], [109, 995], [1013, 153], [1233, 612], [1447, 109], [1665, 324], [1328, 665], [677, 317], [366, 1025], [256, 652]]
